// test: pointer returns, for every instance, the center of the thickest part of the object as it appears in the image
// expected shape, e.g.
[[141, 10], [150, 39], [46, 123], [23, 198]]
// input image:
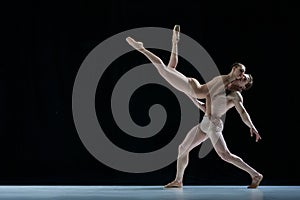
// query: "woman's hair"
[[236, 64]]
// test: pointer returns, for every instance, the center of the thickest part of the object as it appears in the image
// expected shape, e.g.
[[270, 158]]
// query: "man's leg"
[[220, 146], [193, 139]]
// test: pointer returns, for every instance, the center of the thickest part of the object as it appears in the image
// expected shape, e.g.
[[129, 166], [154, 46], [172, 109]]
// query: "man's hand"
[[254, 131]]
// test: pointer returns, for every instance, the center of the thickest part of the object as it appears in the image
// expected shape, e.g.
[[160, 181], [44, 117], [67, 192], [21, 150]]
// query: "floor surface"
[[149, 192]]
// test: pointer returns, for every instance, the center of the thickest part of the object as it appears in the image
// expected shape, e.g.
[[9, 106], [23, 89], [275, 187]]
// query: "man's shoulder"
[[236, 95]]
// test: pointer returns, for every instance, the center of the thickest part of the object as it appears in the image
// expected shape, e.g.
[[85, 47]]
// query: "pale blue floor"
[[149, 192]]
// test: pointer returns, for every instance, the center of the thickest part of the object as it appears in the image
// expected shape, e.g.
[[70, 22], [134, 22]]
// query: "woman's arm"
[[199, 104]]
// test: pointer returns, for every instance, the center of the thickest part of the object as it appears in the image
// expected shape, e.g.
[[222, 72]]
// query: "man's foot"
[[255, 181], [135, 44], [176, 34], [174, 184]]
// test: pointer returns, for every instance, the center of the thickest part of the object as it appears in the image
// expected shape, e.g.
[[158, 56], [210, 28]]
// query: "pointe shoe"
[[135, 44], [174, 184], [176, 33], [255, 181]]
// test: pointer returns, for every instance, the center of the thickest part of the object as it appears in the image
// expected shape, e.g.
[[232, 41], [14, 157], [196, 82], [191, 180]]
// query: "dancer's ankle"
[[135, 44], [256, 179], [176, 34]]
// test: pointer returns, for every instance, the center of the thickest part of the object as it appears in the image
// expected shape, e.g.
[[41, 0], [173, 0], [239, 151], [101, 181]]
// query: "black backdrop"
[[45, 42]]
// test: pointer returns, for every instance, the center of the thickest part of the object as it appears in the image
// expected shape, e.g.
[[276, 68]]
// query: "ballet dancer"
[[211, 126]]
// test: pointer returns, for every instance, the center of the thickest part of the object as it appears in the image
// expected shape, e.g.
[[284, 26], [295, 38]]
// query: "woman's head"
[[238, 70], [244, 83]]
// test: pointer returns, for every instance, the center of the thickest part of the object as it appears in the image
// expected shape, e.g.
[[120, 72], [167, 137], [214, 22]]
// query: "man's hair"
[[249, 85]]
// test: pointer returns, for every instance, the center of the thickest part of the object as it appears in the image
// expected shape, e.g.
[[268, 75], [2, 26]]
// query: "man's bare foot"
[[174, 184], [255, 181], [176, 34], [135, 44]]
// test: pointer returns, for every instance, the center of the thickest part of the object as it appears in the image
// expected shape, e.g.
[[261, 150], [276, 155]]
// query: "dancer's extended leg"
[[175, 78], [194, 138], [222, 150], [171, 75], [216, 85], [174, 54]]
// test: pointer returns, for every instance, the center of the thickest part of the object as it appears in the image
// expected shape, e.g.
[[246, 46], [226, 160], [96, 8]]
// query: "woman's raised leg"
[[174, 54], [171, 75]]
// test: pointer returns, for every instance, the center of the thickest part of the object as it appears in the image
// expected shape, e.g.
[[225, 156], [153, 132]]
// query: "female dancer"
[[189, 86]]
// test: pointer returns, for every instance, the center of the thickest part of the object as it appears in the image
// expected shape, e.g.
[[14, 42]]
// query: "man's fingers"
[[258, 138]]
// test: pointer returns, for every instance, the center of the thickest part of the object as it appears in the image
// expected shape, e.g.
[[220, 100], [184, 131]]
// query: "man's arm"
[[238, 103]]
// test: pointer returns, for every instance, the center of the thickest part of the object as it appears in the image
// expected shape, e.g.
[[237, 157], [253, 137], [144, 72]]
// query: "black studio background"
[[45, 42]]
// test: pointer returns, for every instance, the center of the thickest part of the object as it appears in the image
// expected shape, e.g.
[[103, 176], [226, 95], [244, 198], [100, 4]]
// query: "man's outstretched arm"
[[238, 102]]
